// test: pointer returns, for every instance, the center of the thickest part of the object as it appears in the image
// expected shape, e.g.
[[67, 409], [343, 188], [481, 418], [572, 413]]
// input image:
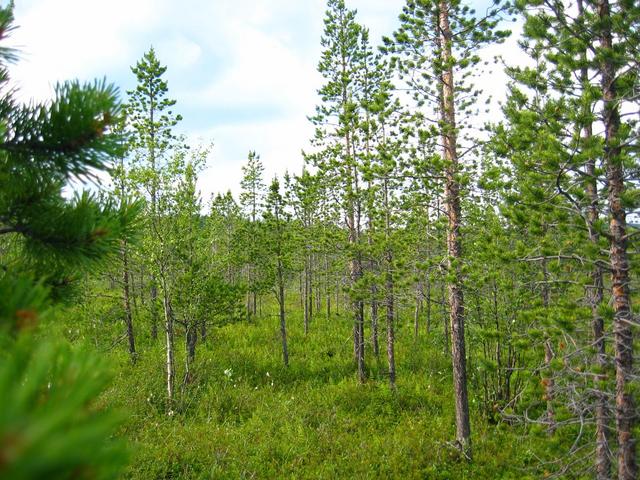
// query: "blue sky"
[[242, 71]]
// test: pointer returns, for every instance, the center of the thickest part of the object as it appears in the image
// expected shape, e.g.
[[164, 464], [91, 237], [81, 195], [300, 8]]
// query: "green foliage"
[[245, 414], [148, 109], [49, 424], [362, 236]]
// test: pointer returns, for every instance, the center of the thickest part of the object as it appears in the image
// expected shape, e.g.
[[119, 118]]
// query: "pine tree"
[[304, 193], [338, 156], [47, 389], [281, 247], [151, 119], [436, 51], [157, 153], [122, 193], [253, 186], [581, 76], [251, 199]]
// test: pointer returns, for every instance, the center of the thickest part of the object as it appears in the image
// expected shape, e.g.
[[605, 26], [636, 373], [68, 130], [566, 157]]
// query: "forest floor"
[[244, 415]]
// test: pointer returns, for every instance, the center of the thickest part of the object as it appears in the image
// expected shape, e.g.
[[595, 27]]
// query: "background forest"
[[431, 296]]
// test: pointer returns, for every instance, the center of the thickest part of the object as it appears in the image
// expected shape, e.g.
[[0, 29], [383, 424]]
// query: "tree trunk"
[[357, 306], [445, 318], [327, 289], [301, 288], [318, 297], [283, 324], [169, 335], [548, 382], [391, 338], [389, 290], [428, 303], [154, 308], [190, 340], [595, 296], [306, 294], [417, 311], [128, 318], [310, 287], [254, 303], [374, 321], [626, 416], [454, 244]]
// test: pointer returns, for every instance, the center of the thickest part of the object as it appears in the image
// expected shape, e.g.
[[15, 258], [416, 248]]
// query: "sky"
[[243, 72]]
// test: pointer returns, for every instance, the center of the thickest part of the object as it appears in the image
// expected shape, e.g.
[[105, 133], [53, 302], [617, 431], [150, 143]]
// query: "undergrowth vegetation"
[[242, 414]]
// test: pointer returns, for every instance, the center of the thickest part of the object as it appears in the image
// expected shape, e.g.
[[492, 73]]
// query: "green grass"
[[311, 420]]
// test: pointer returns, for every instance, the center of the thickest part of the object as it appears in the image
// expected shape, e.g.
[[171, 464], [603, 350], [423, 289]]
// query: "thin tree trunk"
[[374, 321], [190, 339], [283, 324], [318, 297], [454, 244], [595, 296], [355, 273], [326, 285], [301, 288], [310, 287], [445, 318], [428, 303], [391, 338], [254, 303], [169, 336], [389, 290], [154, 211], [305, 294], [626, 416], [154, 308], [338, 296], [128, 318], [417, 311], [548, 382]]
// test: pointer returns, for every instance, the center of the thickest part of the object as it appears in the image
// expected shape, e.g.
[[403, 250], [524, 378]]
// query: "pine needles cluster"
[[49, 424]]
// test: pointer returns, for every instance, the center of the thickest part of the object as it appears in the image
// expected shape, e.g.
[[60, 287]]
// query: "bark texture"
[[454, 244], [626, 416]]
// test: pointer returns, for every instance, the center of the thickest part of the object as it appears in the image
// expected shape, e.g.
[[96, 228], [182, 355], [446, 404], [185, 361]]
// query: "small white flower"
[[228, 372], [268, 374], [171, 413]]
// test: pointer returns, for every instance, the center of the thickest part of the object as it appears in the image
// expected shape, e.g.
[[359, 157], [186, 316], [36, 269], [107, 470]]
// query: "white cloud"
[[279, 144], [180, 52], [62, 39], [262, 71]]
